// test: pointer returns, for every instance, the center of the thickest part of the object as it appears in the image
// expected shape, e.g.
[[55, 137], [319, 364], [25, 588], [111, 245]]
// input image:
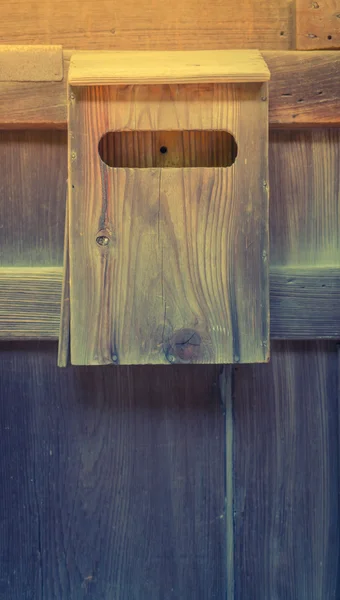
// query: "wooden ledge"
[[146, 67]]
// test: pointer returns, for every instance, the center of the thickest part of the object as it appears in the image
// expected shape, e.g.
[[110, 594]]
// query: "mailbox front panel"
[[169, 256]]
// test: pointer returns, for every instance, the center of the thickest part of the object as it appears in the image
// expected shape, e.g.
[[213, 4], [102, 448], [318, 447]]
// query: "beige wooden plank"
[[303, 302], [31, 63], [179, 259], [156, 25], [134, 67], [317, 24], [303, 93]]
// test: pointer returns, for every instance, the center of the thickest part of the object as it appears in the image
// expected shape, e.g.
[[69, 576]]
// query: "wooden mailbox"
[[167, 239]]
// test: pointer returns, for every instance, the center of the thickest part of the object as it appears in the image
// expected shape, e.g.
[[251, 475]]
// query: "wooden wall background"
[[148, 483]]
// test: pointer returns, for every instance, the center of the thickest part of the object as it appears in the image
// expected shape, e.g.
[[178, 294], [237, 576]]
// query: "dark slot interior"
[[147, 149]]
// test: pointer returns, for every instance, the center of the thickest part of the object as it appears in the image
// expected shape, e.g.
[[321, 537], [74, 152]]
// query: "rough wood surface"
[[35, 105], [226, 396], [112, 480], [30, 302], [184, 273], [31, 63], [152, 67], [286, 475], [303, 93], [304, 89], [317, 24], [305, 197], [304, 302], [131, 25], [33, 172]]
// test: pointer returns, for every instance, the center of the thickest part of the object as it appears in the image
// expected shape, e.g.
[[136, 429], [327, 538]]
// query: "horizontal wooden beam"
[[304, 92], [304, 89], [304, 303], [27, 105], [30, 303]]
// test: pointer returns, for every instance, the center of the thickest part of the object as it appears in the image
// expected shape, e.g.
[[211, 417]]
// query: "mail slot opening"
[[147, 149]]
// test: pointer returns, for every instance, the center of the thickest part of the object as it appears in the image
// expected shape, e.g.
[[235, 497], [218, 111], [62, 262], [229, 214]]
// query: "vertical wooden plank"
[[226, 391], [64, 329], [286, 478], [305, 197], [317, 24], [33, 173], [113, 480]]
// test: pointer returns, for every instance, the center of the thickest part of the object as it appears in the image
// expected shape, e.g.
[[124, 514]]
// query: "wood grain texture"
[[152, 67], [304, 89], [305, 198], [303, 303], [112, 480], [317, 24], [33, 172], [113, 25], [286, 475], [303, 93], [31, 63], [226, 395], [187, 251], [30, 302]]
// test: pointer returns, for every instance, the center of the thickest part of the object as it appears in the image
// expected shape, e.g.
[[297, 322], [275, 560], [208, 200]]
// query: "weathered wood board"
[[105, 480], [317, 24], [303, 93], [31, 63], [33, 174], [286, 475], [305, 198], [187, 248], [304, 89], [142, 25]]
